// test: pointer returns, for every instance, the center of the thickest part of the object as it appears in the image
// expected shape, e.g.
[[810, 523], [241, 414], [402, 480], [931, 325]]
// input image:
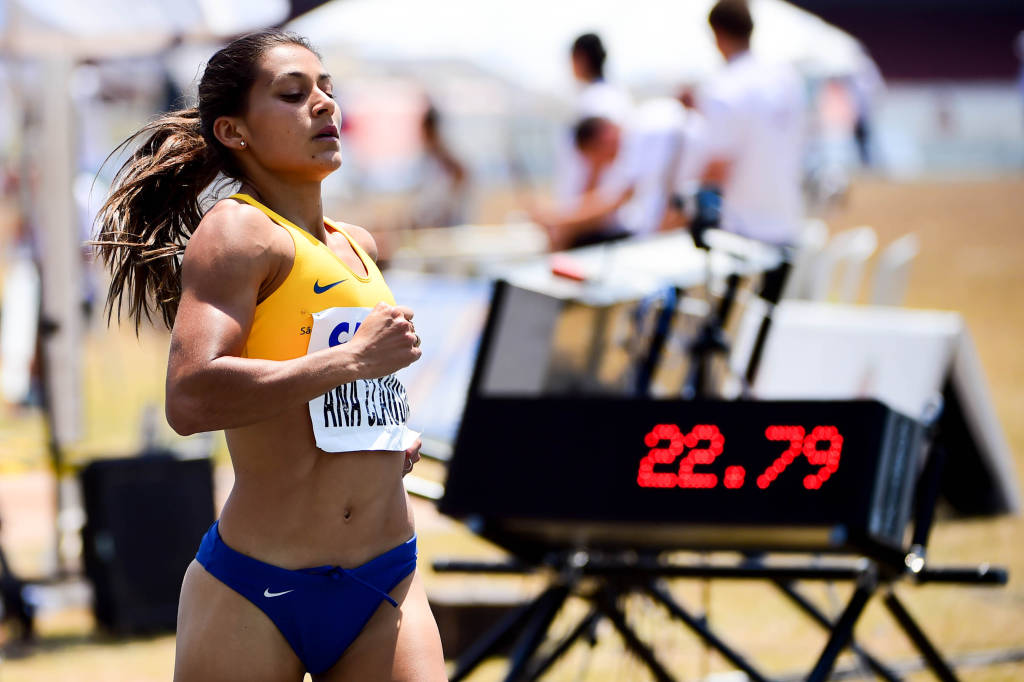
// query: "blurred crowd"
[[742, 147], [732, 153]]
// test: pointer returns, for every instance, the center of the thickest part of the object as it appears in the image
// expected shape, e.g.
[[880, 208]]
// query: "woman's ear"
[[231, 133]]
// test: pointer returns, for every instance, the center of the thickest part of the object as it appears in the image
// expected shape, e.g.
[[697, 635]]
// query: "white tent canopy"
[[45, 38], [126, 27], [527, 41]]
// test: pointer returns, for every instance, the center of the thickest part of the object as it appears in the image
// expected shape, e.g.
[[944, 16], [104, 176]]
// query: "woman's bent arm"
[[209, 386]]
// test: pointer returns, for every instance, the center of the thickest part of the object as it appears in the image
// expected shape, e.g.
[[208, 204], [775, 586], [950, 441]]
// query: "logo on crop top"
[[317, 289], [270, 595], [336, 338]]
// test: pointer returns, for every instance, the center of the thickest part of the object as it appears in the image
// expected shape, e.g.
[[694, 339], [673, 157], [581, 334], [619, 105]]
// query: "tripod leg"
[[493, 639], [938, 665], [605, 601], [662, 596], [13, 600], [842, 631], [535, 629], [811, 610], [584, 626], [662, 327]]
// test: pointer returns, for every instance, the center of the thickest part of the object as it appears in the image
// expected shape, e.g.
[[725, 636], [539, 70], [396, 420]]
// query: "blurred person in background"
[[606, 188], [441, 198], [866, 87], [628, 177], [750, 142], [596, 98], [311, 566]]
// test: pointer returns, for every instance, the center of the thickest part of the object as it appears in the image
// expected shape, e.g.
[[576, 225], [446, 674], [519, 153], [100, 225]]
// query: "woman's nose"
[[324, 104]]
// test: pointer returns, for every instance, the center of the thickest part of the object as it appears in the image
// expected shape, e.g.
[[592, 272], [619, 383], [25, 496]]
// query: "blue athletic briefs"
[[321, 610]]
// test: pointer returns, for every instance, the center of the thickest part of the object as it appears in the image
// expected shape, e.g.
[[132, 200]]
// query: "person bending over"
[[628, 175], [592, 218]]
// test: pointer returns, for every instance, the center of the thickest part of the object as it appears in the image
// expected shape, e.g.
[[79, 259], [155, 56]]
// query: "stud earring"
[[242, 143]]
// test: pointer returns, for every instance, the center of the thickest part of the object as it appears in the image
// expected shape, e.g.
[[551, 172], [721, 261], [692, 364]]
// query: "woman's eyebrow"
[[303, 76]]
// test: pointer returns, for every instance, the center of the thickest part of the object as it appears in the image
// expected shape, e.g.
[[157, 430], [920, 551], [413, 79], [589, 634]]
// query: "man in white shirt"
[[627, 176], [597, 98], [751, 140]]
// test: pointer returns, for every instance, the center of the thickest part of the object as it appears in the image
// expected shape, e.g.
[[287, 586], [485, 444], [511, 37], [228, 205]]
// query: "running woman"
[[285, 335]]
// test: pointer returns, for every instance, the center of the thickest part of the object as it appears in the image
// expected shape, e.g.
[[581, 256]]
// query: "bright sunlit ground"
[[972, 260]]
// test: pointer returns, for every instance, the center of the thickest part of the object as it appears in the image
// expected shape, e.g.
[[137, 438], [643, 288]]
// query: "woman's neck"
[[300, 203]]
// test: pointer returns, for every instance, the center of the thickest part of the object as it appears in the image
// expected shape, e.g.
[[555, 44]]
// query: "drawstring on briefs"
[[337, 573]]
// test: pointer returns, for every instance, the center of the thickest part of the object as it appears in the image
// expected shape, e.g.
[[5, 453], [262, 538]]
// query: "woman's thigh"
[[401, 644], [223, 637]]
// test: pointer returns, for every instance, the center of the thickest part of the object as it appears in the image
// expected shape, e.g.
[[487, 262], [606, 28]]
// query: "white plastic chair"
[[808, 250], [842, 262], [892, 273]]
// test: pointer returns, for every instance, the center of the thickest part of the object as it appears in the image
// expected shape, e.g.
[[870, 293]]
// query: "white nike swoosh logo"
[[268, 593]]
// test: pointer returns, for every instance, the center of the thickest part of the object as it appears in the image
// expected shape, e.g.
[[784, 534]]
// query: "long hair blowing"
[[154, 204]]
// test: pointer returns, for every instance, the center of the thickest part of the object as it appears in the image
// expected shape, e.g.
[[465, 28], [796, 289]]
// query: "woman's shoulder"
[[237, 229], [236, 242], [360, 235]]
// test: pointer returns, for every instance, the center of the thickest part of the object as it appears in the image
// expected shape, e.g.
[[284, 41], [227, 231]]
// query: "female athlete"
[[285, 335]]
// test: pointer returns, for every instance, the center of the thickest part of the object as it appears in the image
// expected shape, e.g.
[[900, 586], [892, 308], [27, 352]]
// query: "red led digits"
[[647, 477], [716, 441], [734, 476], [827, 459], [822, 448], [795, 436]]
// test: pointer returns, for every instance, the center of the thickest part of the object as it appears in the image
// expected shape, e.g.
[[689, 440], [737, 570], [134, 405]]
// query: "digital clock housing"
[[618, 472]]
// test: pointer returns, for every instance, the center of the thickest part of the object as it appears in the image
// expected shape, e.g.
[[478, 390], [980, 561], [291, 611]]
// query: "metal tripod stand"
[[614, 577], [603, 579]]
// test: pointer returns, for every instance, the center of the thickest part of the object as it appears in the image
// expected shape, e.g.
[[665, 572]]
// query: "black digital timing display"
[[846, 467]]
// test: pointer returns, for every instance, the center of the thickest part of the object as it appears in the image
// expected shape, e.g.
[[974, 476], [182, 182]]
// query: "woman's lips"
[[330, 132]]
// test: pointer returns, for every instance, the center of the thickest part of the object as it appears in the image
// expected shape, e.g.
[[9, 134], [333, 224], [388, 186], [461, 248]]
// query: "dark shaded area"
[[145, 516], [15, 607], [302, 6], [931, 39], [969, 481]]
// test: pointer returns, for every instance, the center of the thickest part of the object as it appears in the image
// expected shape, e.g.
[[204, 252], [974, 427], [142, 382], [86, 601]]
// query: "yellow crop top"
[[320, 304], [318, 280]]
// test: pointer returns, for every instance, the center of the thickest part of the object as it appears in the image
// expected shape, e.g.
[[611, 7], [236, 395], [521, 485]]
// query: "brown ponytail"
[[151, 212], [155, 201]]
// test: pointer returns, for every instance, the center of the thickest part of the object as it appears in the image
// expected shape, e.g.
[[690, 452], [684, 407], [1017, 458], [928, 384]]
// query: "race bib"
[[365, 414]]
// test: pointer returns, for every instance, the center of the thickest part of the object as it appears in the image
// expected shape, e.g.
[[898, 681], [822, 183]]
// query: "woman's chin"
[[324, 164], [334, 160]]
